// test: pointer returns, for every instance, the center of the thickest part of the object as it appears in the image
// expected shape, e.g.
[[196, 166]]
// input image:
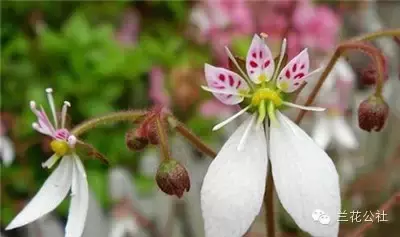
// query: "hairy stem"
[[106, 119], [377, 34], [340, 50], [191, 137], [163, 139]]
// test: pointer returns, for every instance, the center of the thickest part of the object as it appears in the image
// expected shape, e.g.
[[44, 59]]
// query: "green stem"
[[191, 137], [163, 139], [109, 118]]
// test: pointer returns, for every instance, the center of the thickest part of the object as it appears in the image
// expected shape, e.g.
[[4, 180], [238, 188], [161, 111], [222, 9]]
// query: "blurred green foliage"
[[72, 47]]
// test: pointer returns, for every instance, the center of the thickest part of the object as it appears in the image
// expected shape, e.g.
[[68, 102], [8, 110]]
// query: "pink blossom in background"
[[157, 91], [317, 26], [219, 22], [213, 108], [127, 34], [238, 14], [310, 25]]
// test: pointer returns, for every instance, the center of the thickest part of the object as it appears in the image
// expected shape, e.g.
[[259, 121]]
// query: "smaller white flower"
[[124, 224], [69, 175], [125, 218], [332, 127]]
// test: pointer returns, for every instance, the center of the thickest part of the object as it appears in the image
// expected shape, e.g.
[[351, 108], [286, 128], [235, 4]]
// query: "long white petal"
[[50, 195], [233, 188], [79, 201], [306, 180], [343, 133], [322, 132]]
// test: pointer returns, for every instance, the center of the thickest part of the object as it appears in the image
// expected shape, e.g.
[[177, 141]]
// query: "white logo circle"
[[320, 216], [324, 219], [316, 214]]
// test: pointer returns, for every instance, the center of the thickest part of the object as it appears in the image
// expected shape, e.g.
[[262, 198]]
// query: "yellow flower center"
[[266, 94], [59, 147]]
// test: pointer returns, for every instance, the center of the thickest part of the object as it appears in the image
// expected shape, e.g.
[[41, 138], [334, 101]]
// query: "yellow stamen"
[[59, 147], [266, 94]]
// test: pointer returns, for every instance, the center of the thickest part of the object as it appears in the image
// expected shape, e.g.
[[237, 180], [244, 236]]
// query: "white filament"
[[50, 98], [309, 108], [64, 113], [230, 119]]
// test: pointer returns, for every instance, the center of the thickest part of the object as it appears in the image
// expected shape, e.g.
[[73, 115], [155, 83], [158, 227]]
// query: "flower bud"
[[136, 140], [152, 134], [172, 178], [372, 113]]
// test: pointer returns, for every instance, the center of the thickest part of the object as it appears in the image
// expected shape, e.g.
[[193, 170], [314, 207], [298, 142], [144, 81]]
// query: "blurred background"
[[119, 55]]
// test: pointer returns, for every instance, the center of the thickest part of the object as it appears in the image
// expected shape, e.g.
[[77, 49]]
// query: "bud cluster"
[[146, 132], [172, 177]]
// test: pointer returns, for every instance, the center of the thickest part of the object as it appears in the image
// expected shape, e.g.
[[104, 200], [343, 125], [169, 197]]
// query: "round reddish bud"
[[372, 113], [172, 178], [136, 140], [152, 134]]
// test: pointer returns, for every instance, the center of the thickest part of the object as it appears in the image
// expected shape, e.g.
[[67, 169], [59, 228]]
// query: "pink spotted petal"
[[293, 74], [225, 81], [44, 122], [61, 134], [259, 61]]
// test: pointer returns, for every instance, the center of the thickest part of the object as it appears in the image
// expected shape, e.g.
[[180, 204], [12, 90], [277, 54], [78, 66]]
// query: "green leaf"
[[52, 42], [7, 214], [78, 29]]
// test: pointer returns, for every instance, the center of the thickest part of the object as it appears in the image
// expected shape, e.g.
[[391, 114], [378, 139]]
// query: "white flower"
[[335, 94], [69, 175], [305, 177], [332, 127], [7, 152]]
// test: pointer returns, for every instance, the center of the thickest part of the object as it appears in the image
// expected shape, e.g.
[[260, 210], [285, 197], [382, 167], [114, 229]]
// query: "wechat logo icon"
[[321, 217]]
